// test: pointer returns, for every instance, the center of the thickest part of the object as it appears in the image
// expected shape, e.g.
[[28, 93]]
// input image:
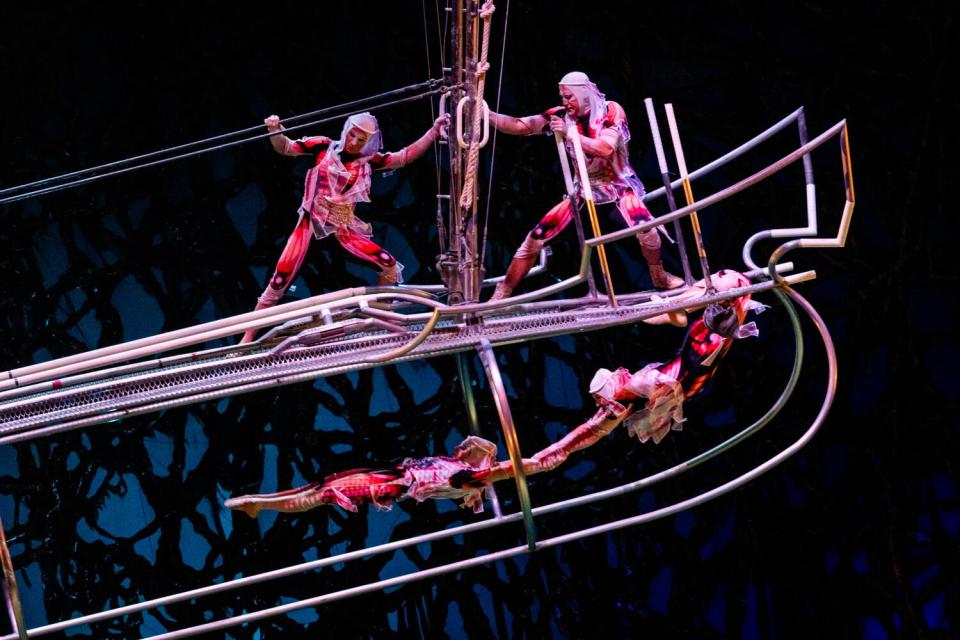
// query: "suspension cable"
[[433, 116], [75, 183], [493, 146], [429, 84]]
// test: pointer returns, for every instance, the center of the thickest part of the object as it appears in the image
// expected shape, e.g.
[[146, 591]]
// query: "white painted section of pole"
[[655, 130], [565, 165], [675, 136], [581, 163]]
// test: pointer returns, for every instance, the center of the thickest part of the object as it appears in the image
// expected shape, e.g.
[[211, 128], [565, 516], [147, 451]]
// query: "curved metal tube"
[[811, 194], [413, 344], [824, 243], [489, 361], [11, 594]]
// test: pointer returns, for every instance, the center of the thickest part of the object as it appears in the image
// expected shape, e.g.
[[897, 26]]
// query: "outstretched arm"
[[411, 152], [526, 126], [281, 143], [587, 434]]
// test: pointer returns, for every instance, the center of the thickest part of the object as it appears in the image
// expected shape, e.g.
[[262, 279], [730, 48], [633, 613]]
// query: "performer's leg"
[[346, 490], [366, 249], [287, 267], [634, 212], [528, 253]]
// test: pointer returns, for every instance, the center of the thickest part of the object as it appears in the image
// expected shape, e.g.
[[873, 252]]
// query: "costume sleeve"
[[614, 125], [545, 117], [306, 146], [381, 161]]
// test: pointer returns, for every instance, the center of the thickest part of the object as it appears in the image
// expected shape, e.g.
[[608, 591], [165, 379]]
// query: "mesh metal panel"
[[106, 397]]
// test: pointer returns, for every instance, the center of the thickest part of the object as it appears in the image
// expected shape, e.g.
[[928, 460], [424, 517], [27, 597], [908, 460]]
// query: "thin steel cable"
[[493, 146], [436, 144], [429, 84], [83, 181]]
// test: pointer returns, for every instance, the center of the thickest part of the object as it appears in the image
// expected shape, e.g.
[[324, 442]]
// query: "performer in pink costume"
[[602, 125], [666, 385], [338, 180], [417, 478], [663, 386]]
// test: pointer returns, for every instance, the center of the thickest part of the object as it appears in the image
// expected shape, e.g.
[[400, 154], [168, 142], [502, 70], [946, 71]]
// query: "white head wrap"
[[587, 95], [365, 122]]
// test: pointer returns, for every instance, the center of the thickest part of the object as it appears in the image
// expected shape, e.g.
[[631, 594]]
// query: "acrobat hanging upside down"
[[473, 466]]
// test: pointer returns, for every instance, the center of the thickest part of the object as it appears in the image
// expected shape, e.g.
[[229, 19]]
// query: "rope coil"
[[473, 158]]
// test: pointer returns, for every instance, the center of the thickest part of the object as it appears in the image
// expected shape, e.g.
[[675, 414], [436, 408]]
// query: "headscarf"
[[588, 96], [365, 122]]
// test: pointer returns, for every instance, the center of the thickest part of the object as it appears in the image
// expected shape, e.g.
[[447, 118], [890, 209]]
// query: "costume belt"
[[340, 214]]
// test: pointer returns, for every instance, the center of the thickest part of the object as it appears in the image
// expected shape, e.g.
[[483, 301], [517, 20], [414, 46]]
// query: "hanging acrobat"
[[473, 466]]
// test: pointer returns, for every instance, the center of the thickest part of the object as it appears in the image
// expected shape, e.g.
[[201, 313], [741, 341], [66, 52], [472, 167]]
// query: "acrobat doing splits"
[[602, 125], [663, 388], [338, 180]]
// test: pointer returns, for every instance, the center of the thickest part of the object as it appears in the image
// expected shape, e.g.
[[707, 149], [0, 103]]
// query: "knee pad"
[[270, 296], [649, 239], [531, 245]]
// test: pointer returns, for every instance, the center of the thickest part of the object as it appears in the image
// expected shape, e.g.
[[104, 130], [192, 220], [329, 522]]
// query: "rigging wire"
[[429, 84], [493, 147], [83, 181], [441, 232]]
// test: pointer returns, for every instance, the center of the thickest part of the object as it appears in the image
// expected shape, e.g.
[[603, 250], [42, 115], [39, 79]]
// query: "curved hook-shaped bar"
[[754, 473], [811, 194], [473, 421], [824, 243]]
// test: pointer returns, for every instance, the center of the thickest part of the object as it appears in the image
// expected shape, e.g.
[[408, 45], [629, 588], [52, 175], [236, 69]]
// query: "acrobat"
[[338, 180], [416, 478], [663, 387], [602, 125]]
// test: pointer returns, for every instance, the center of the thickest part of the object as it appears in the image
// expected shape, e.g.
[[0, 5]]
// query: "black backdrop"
[[856, 536]]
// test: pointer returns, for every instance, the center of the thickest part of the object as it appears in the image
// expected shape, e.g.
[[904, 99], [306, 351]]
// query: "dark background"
[[856, 536]]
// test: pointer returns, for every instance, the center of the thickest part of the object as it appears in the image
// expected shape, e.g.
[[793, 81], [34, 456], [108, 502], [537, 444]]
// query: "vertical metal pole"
[[449, 262], [811, 187], [847, 165], [468, 266], [668, 189], [510, 437], [688, 192], [10, 592], [471, 405], [572, 194], [592, 210]]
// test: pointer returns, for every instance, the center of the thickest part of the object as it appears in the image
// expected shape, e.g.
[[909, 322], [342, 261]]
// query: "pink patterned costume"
[[416, 478], [666, 385], [602, 125], [339, 178]]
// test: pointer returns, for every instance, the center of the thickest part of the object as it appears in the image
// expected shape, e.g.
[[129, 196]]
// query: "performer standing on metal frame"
[[338, 180], [602, 125]]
